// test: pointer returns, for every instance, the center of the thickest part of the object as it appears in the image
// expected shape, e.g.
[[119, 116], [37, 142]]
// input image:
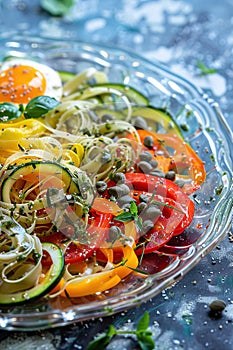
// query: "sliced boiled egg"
[[21, 80]]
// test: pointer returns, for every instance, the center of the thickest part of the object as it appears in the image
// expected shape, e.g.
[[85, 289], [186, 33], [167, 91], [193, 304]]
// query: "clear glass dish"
[[208, 133]]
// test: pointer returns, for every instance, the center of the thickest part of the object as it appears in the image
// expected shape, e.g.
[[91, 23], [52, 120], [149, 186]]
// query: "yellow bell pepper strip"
[[12, 134], [73, 155], [100, 281], [69, 157], [29, 127]]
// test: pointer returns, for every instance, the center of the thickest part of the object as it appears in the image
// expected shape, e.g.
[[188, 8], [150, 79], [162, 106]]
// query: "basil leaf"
[[56, 7], [124, 217], [39, 106], [9, 111]]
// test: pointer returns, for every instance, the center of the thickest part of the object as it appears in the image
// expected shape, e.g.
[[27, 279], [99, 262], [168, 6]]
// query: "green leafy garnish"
[[130, 215], [142, 333], [205, 70], [39, 106], [9, 111], [56, 7]]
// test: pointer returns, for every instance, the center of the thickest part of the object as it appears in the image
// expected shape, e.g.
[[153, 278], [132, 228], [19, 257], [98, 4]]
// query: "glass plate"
[[209, 135]]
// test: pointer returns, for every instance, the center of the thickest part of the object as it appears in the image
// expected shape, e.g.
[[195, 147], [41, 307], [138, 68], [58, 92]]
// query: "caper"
[[145, 167], [147, 225], [170, 175], [217, 306], [142, 206], [152, 212], [123, 200], [146, 156], [148, 141], [139, 123], [119, 178], [107, 117], [143, 198], [126, 206], [154, 163], [101, 186], [157, 172], [118, 190]]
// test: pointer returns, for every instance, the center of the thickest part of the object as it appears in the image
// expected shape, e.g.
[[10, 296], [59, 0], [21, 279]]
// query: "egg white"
[[53, 80]]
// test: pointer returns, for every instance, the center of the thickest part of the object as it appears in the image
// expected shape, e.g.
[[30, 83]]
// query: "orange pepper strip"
[[100, 281], [183, 153], [183, 150], [197, 169], [108, 254], [104, 205]]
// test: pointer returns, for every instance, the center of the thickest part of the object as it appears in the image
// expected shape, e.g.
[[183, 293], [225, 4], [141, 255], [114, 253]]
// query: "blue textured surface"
[[177, 33]]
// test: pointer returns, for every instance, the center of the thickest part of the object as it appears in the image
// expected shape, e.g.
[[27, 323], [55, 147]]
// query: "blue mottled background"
[[178, 33]]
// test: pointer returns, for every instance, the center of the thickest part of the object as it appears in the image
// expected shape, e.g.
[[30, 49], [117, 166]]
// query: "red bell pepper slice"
[[177, 209]]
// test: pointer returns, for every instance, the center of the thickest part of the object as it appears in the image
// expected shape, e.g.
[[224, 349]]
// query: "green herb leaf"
[[205, 70], [100, 342], [146, 342], [133, 208], [130, 215], [39, 106], [144, 336], [144, 321], [162, 204], [9, 111], [56, 7], [124, 217]]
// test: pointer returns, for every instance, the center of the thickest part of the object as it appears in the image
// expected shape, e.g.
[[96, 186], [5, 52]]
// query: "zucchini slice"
[[45, 285], [109, 94], [133, 95], [72, 182], [158, 119]]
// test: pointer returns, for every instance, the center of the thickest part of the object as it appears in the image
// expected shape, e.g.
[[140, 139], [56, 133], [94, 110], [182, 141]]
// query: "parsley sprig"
[[142, 333]]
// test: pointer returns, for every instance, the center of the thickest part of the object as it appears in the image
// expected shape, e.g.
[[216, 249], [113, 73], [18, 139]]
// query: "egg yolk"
[[19, 84]]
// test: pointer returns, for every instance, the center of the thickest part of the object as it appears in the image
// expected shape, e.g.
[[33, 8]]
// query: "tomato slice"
[[177, 209], [74, 251]]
